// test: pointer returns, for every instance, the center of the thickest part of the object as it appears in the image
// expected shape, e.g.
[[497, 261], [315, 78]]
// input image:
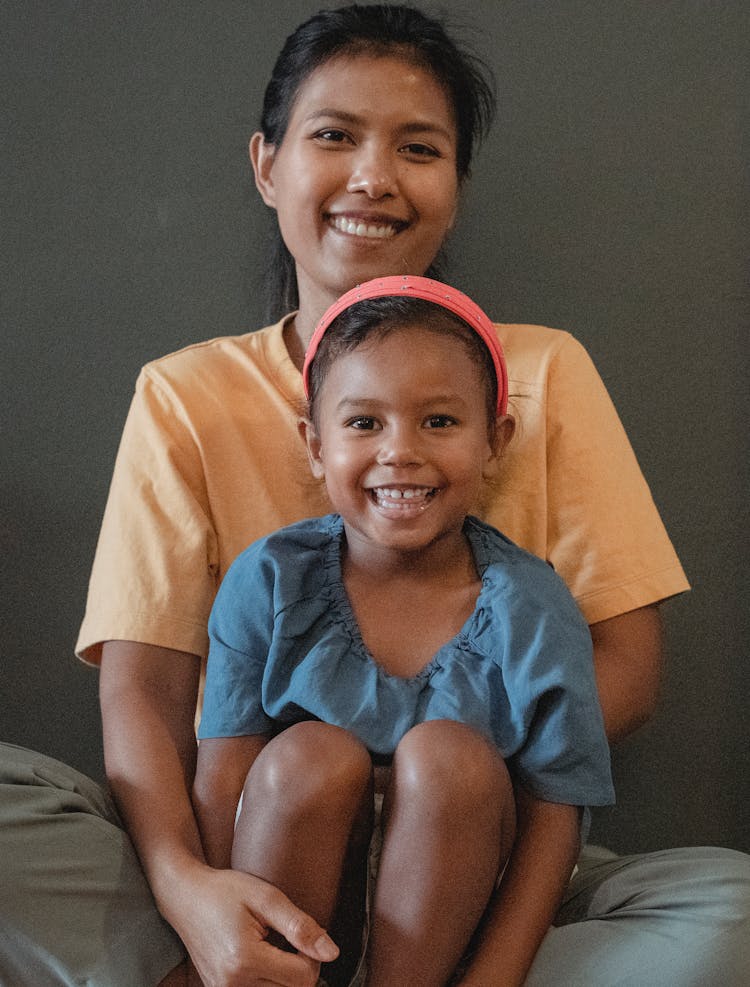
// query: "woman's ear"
[[502, 433], [313, 445], [262, 157]]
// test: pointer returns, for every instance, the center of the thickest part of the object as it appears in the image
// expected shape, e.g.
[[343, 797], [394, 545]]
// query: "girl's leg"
[[449, 825], [306, 815]]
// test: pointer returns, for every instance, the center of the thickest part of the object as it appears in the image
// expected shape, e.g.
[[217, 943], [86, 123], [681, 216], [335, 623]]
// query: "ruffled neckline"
[[335, 592]]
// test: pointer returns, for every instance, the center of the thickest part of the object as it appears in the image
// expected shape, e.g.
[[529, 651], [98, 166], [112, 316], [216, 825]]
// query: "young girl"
[[368, 128], [404, 631]]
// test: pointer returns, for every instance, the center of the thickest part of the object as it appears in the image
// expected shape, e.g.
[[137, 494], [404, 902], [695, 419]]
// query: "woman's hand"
[[148, 696], [224, 920]]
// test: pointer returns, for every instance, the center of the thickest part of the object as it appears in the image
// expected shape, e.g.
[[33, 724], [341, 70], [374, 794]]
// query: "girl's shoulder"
[[292, 562], [289, 571], [525, 608], [511, 575]]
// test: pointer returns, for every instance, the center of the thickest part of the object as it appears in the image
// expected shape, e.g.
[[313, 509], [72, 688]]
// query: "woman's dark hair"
[[375, 29], [378, 318]]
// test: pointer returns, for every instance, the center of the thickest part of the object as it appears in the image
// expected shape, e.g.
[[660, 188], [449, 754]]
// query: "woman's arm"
[[223, 765], [148, 697], [524, 905], [628, 666]]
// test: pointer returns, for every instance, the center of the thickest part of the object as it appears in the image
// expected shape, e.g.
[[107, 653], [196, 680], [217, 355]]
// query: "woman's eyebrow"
[[346, 116]]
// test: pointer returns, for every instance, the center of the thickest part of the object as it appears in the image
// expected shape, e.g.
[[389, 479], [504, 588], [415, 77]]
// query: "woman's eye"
[[440, 421], [420, 151]]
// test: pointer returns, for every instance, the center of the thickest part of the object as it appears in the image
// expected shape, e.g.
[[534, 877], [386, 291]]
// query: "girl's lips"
[[402, 499], [377, 229]]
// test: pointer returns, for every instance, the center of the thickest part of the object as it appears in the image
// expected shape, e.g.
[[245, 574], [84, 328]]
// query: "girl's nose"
[[372, 173], [400, 447]]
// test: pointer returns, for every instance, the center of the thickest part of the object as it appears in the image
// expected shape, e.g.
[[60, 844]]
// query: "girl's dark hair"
[[375, 29], [379, 317]]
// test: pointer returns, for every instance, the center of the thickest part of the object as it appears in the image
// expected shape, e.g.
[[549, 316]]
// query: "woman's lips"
[[354, 226]]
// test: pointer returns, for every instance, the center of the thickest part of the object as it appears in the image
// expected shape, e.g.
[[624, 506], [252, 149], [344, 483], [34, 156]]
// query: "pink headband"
[[432, 291]]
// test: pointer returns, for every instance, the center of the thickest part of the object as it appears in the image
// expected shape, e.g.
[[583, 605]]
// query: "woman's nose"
[[373, 173]]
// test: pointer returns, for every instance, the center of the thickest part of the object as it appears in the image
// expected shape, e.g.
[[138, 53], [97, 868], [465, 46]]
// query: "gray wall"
[[610, 201]]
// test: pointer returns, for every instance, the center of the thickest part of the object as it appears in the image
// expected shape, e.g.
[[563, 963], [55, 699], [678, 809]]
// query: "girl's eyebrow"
[[412, 127], [353, 403]]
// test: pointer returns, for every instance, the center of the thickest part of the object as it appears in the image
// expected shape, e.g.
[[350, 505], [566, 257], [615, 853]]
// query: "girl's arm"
[[223, 765], [628, 666], [524, 905], [148, 697]]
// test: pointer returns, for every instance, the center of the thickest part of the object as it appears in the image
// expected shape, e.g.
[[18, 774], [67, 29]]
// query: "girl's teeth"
[[409, 494], [363, 229]]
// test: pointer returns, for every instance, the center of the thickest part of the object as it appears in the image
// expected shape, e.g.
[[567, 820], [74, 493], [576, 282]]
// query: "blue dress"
[[285, 647]]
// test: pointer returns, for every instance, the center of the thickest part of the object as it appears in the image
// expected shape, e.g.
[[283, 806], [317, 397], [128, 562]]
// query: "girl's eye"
[[332, 136], [362, 423], [440, 421]]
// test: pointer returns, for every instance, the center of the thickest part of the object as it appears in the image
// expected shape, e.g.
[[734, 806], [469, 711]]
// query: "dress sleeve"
[[605, 536], [548, 673], [240, 631], [155, 569]]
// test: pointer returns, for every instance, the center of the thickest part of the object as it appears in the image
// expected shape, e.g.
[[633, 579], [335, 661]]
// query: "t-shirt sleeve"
[[605, 536], [548, 674], [155, 570], [240, 632]]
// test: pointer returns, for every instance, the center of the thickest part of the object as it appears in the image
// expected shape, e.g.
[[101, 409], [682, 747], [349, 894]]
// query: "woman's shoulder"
[[213, 359], [533, 351]]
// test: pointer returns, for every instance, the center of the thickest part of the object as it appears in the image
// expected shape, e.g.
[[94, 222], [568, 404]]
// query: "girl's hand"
[[224, 920]]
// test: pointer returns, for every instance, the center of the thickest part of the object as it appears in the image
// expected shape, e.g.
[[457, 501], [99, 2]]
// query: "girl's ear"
[[262, 157], [314, 448], [502, 433]]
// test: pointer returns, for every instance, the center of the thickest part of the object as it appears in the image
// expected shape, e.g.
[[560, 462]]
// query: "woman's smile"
[[367, 228], [364, 182]]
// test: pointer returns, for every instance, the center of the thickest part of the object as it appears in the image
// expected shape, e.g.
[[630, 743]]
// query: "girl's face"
[[403, 441], [364, 183]]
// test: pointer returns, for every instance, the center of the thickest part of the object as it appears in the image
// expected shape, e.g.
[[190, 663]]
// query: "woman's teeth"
[[356, 228]]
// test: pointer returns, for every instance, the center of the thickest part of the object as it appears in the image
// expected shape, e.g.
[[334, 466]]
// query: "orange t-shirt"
[[211, 459]]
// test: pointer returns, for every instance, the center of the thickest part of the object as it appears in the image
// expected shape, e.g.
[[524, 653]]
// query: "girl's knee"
[[308, 762], [451, 761]]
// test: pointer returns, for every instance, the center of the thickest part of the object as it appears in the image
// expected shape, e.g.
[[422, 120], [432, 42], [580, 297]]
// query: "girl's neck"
[[409, 610], [449, 560]]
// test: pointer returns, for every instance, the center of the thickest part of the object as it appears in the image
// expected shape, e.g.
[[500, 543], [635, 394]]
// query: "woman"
[[367, 133]]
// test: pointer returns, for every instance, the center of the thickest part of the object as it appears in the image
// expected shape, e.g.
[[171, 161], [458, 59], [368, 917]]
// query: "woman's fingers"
[[272, 907]]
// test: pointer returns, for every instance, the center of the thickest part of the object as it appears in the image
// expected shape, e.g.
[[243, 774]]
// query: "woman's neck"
[[298, 332], [295, 346], [313, 302]]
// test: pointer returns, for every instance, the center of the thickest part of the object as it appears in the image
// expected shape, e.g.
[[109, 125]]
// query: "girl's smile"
[[401, 501], [404, 443], [364, 182]]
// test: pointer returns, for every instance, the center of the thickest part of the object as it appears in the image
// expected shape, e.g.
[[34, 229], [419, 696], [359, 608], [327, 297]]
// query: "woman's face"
[[364, 182]]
